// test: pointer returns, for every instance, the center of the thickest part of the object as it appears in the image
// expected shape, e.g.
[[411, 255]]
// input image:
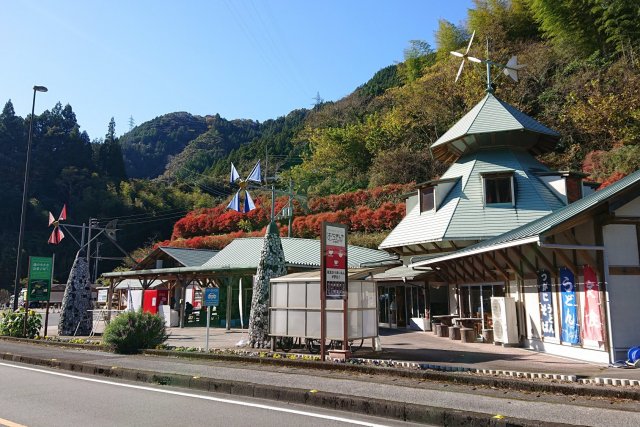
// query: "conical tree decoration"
[[272, 264], [74, 318]]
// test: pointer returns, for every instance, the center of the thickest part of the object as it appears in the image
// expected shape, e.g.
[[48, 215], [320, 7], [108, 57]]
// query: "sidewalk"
[[426, 348], [419, 347]]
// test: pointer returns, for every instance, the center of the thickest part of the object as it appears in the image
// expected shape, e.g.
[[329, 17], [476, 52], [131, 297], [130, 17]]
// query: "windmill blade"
[[248, 203], [469, 45], [63, 213], [51, 219], [512, 67], [459, 71], [56, 236], [474, 59], [234, 204], [456, 53], [234, 175], [255, 175]]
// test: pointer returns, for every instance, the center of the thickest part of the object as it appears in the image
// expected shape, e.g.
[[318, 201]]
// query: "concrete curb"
[[367, 406], [53, 343], [498, 379]]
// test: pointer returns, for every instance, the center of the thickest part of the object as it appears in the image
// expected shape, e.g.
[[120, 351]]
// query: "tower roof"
[[493, 123]]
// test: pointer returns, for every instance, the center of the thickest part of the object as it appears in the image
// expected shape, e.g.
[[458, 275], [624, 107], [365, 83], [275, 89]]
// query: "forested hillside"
[[581, 78]]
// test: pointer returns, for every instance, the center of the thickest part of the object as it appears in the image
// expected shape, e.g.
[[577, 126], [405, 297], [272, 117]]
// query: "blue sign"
[[211, 297], [570, 327], [546, 304]]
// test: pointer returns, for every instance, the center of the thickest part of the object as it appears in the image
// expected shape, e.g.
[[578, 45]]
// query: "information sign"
[[334, 252], [211, 297], [39, 287]]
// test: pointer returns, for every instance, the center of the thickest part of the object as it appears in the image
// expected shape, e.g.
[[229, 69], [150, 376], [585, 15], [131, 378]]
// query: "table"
[[445, 319], [467, 322]]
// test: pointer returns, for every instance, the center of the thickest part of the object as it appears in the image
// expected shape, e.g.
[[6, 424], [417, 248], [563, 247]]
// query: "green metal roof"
[[531, 232], [245, 253], [189, 257], [463, 215], [491, 123]]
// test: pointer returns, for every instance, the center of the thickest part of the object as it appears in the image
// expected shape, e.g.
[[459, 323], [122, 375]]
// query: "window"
[[498, 189], [427, 200]]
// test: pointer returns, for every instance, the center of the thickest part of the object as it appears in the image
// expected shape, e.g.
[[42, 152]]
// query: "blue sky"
[[255, 59]]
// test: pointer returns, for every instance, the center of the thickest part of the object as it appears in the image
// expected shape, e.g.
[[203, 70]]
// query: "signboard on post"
[[334, 256], [333, 276], [211, 297], [39, 285]]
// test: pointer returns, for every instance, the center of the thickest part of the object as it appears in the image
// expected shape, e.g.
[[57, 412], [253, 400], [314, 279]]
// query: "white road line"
[[196, 396], [7, 423]]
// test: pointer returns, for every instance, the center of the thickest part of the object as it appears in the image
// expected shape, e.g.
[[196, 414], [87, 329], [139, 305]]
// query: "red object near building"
[[150, 301]]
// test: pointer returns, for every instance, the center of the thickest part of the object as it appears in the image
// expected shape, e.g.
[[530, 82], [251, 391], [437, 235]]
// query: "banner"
[[546, 304], [592, 325], [570, 327], [39, 287]]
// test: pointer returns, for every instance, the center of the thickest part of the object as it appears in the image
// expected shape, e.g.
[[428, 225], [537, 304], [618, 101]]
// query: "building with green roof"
[[497, 222]]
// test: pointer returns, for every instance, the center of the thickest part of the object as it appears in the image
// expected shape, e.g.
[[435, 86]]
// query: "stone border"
[[366, 406]]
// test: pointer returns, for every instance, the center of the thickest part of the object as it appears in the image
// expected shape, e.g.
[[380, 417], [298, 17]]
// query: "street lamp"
[[25, 190]]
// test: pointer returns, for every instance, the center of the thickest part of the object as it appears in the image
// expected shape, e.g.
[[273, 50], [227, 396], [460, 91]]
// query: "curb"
[[53, 343], [367, 406], [519, 381]]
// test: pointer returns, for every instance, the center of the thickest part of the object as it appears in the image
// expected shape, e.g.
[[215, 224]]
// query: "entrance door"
[[383, 307]]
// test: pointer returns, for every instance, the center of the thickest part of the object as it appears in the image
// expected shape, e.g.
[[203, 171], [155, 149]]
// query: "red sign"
[[592, 329], [334, 254]]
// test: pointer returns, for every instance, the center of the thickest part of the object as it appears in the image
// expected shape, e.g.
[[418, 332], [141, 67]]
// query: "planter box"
[[420, 323]]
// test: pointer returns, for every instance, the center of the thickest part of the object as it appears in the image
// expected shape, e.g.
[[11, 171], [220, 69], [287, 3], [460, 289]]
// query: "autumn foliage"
[[366, 211]]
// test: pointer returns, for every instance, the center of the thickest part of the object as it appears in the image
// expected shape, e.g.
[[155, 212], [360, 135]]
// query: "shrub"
[[131, 332], [12, 323]]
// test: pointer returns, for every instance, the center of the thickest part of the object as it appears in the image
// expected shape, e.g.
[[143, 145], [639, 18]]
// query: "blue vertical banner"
[[547, 319], [570, 327]]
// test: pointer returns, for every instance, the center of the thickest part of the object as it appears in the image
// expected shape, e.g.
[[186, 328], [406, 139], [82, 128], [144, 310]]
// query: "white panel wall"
[[621, 243], [532, 308]]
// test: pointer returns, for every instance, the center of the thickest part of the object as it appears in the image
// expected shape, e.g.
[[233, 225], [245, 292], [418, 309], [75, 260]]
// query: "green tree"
[[417, 57], [109, 158], [449, 37]]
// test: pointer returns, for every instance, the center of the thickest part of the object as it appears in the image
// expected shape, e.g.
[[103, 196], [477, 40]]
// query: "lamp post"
[[25, 190]]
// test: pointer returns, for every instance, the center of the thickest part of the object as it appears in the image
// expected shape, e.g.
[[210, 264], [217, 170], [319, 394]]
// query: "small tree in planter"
[[133, 331]]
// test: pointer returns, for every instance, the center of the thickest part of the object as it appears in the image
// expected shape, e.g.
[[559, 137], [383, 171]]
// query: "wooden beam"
[[585, 253], [620, 270], [442, 273], [525, 261], [498, 267], [435, 245], [568, 261], [469, 272], [543, 258], [482, 272], [505, 257], [459, 275]]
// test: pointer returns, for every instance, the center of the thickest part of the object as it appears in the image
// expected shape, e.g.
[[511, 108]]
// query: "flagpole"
[[46, 315]]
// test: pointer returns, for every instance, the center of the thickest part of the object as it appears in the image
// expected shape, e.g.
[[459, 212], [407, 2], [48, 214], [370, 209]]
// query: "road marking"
[[7, 423], [195, 396]]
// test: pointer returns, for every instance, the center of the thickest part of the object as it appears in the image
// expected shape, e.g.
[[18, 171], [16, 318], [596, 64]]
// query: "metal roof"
[[244, 253], [402, 272], [489, 117], [529, 233], [463, 215], [189, 257]]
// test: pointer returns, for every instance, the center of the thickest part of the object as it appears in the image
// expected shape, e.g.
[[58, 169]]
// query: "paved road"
[[40, 397], [534, 406]]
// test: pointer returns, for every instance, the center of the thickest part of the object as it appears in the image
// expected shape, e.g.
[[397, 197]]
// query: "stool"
[[487, 335], [444, 331], [454, 332], [434, 328], [467, 335]]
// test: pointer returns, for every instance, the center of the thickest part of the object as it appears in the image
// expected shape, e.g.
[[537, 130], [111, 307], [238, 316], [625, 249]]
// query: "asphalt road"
[[34, 397]]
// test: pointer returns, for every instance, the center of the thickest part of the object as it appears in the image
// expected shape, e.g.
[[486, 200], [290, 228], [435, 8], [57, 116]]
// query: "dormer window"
[[427, 199], [499, 189]]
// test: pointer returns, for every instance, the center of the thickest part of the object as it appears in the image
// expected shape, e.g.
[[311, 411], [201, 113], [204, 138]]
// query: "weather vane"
[[510, 69], [254, 176]]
